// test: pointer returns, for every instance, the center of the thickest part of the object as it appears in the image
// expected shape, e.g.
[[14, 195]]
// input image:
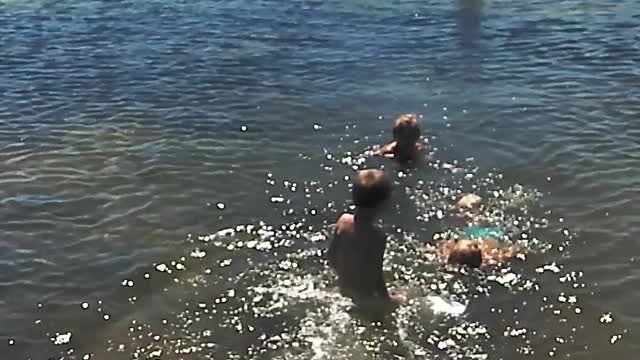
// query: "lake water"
[[130, 130]]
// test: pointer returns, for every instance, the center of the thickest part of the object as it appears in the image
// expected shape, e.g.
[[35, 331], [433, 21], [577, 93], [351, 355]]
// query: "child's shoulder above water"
[[345, 223]]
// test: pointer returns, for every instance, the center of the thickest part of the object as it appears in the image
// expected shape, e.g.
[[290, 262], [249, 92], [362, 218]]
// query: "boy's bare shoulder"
[[345, 223]]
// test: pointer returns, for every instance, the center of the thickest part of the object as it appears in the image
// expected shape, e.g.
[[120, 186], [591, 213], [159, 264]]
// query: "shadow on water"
[[469, 19], [473, 49]]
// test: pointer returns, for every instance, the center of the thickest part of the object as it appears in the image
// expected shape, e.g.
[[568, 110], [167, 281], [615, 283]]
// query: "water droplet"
[[198, 254], [155, 354], [84, 305], [277, 199], [61, 339], [161, 267], [549, 267], [615, 339], [606, 318]]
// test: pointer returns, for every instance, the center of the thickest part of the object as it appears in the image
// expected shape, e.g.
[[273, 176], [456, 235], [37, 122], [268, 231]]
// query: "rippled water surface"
[[136, 136]]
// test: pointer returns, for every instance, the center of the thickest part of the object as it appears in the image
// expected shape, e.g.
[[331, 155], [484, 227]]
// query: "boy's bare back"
[[356, 253], [357, 248]]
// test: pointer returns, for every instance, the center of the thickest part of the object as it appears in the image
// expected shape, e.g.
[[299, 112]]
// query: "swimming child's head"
[[371, 188], [406, 129], [466, 252], [469, 201]]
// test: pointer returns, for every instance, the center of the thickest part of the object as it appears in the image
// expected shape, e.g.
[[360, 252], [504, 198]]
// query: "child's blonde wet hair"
[[371, 188], [406, 128]]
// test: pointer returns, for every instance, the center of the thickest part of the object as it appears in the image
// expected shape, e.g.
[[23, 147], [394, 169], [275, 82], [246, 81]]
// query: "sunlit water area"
[[170, 173]]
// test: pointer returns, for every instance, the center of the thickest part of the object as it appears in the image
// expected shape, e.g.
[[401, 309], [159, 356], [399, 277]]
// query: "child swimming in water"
[[476, 252], [480, 245], [358, 245], [406, 135]]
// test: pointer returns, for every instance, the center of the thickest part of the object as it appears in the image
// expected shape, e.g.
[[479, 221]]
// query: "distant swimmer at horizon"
[[357, 249]]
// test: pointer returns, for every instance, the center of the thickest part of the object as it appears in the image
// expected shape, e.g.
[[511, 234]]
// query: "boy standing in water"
[[358, 245], [406, 135]]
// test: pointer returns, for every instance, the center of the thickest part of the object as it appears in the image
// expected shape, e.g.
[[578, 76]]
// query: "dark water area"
[[136, 135]]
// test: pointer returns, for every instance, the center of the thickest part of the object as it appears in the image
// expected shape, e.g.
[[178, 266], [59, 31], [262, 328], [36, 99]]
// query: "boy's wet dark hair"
[[371, 188], [406, 128], [466, 252]]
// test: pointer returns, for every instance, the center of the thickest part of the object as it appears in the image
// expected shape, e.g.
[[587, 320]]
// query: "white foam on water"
[[444, 306], [322, 329]]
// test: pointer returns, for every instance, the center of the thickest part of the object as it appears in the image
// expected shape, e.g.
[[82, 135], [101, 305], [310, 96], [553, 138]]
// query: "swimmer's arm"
[[428, 151], [496, 254], [425, 151], [508, 252], [386, 149]]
